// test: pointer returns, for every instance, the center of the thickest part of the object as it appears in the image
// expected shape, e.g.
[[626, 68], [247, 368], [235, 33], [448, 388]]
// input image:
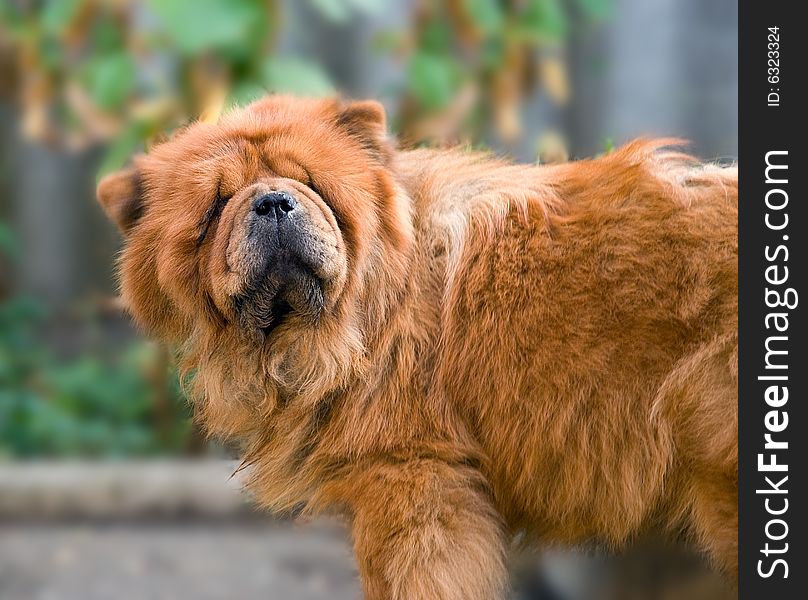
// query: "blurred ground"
[[255, 558], [165, 529], [195, 560], [87, 530]]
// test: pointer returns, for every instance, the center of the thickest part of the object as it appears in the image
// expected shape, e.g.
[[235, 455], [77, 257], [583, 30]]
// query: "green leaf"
[[433, 79], [543, 19], [198, 25], [436, 37], [486, 14], [57, 15], [109, 79], [107, 36], [246, 92], [295, 76], [10, 16]]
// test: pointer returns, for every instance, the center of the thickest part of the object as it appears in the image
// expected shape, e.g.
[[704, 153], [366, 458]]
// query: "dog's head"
[[269, 231]]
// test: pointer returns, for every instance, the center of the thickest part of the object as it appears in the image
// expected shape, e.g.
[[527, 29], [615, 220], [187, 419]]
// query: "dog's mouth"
[[274, 299], [277, 314]]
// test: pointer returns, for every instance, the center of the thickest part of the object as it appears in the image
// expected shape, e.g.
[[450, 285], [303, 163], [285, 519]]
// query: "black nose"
[[277, 204]]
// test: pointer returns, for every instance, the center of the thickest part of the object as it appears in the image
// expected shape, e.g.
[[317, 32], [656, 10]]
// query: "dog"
[[442, 346]]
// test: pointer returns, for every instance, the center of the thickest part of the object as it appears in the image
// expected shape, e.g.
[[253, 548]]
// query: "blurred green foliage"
[[130, 70], [84, 406], [471, 64]]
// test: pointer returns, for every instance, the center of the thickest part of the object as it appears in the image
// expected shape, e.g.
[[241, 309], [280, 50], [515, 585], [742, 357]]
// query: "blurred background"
[[107, 488]]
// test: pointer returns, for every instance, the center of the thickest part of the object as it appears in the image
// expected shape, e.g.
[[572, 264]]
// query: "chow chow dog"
[[444, 347]]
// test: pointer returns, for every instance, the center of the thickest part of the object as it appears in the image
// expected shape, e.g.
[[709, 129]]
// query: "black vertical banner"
[[773, 396]]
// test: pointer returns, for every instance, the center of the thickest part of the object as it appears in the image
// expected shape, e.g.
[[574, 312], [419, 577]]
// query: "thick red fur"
[[509, 347]]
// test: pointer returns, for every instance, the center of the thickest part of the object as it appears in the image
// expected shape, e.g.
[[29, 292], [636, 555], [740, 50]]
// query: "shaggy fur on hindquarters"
[[445, 347]]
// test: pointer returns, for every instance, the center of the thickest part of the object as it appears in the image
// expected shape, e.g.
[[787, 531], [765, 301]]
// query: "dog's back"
[[589, 338]]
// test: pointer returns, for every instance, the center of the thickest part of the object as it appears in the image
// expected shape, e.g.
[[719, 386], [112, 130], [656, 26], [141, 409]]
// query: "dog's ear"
[[121, 197], [365, 120]]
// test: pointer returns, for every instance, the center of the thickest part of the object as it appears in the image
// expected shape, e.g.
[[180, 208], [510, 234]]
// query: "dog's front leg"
[[426, 530]]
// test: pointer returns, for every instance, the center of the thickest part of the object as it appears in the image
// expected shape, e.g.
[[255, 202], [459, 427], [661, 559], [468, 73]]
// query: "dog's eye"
[[210, 216], [337, 217], [308, 181]]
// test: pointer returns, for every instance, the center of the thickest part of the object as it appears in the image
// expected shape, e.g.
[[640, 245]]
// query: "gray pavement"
[[157, 530], [182, 530], [198, 561]]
